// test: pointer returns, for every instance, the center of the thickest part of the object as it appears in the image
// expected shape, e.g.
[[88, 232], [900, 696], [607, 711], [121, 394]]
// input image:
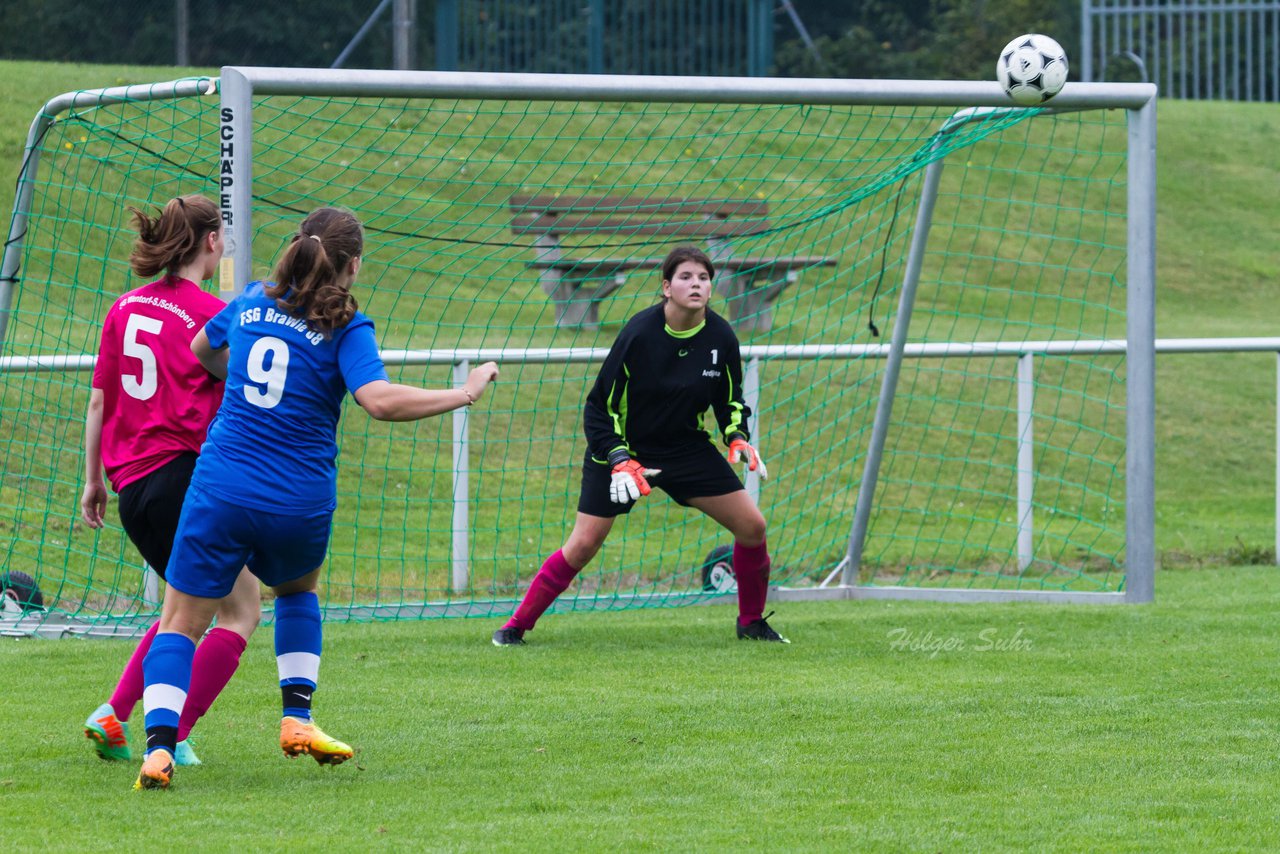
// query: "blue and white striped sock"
[[298, 639], [166, 678]]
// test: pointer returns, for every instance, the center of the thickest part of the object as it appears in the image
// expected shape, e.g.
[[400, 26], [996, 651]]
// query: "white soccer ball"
[[1032, 69]]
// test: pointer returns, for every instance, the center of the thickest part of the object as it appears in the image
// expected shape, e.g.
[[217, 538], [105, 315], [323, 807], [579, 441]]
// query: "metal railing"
[[1226, 50], [1024, 352]]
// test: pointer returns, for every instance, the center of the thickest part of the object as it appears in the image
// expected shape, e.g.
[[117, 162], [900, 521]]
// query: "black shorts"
[[151, 505], [697, 471]]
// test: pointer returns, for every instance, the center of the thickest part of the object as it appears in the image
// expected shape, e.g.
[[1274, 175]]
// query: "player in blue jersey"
[[265, 485]]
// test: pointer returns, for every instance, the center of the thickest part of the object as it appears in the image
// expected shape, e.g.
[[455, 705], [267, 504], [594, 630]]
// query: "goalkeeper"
[[643, 422]]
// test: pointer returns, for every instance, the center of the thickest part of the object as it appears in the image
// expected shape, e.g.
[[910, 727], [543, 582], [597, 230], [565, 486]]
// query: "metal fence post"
[[459, 577], [181, 30], [447, 35], [235, 182], [150, 585], [1140, 368], [751, 394], [595, 37], [404, 34], [1026, 460]]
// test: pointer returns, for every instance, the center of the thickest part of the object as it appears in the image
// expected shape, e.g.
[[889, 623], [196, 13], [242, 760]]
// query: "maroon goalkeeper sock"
[[215, 661], [751, 567], [550, 582], [129, 689]]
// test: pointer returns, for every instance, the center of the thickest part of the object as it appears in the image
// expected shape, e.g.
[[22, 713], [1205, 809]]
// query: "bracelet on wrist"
[[470, 400]]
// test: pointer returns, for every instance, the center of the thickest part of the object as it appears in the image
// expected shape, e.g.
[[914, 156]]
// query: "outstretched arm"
[[388, 401]]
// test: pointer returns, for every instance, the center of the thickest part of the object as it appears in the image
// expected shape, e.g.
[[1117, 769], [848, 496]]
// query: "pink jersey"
[[158, 399]]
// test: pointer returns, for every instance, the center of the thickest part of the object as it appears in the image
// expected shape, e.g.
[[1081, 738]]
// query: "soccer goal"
[[945, 305]]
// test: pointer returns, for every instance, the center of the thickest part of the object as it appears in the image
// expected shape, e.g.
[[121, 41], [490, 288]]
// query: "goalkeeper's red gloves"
[[628, 481], [740, 450]]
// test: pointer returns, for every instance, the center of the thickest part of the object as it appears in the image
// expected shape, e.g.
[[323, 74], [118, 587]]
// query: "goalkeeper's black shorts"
[[693, 471]]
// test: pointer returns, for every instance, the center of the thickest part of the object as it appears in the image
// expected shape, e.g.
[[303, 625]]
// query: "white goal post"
[[440, 568], [239, 85]]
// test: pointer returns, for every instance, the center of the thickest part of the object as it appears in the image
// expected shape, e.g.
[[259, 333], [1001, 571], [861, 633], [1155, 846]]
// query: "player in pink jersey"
[[150, 408]]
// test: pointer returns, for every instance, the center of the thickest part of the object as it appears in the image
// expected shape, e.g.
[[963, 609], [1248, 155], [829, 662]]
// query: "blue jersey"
[[272, 445]]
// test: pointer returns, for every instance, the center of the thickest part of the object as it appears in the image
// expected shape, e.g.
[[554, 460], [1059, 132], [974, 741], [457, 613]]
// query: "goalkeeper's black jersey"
[[656, 385]]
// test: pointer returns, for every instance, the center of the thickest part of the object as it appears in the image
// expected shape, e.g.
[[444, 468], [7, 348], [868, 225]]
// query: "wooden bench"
[[578, 280]]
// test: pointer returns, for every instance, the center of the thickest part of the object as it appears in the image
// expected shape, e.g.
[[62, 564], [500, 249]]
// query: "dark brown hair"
[[679, 255], [172, 239], [306, 279]]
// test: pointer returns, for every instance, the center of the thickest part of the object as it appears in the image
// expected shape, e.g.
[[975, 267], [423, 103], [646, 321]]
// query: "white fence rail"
[[1023, 351]]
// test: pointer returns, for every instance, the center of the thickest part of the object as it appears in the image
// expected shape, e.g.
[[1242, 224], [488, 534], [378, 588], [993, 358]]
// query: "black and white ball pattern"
[[1032, 69]]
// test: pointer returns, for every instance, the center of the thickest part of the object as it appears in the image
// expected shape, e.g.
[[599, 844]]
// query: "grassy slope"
[[1095, 728], [26, 86], [1217, 273]]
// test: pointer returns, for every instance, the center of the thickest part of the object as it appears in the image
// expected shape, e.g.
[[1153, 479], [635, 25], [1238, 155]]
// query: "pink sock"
[[129, 689], [551, 580], [217, 657], [751, 567]]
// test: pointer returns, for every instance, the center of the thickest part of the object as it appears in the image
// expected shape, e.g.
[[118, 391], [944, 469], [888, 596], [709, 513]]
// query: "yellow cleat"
[[299, 737], [157, 770]]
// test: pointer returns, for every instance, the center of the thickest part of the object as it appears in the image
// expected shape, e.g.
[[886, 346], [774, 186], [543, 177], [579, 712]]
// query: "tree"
[[221, 32], [924, 39]]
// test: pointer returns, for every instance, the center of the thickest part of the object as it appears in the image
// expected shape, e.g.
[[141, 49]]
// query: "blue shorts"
[[216, 538]]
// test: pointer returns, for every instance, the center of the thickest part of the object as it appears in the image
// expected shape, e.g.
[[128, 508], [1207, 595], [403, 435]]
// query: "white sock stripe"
[[298, 665], [159, 696]]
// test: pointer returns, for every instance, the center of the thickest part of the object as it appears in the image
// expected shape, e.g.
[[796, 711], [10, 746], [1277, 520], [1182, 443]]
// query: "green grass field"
[[1006, 727], [885, 726]]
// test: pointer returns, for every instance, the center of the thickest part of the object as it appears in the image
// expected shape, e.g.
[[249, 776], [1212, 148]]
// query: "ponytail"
[[307, 277], [172, 238]]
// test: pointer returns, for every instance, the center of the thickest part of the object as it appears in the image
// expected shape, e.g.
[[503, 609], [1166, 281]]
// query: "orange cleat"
[[299, 737], [157, 770]]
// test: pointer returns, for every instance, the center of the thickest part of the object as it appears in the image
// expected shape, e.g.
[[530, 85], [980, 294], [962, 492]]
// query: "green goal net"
[[524, 230]]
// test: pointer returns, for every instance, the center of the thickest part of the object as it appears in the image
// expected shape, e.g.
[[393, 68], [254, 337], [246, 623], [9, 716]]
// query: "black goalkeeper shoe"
[[756, 630], [508, 636]]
